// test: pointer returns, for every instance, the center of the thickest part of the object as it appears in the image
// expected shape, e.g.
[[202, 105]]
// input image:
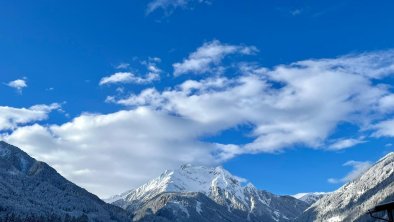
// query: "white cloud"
[[11, 117], [120, 150], [358, 169], [122, 65], [386, 103], [345, 143], [300, 103], [384, 128], [373, 65], [128, 77], [208, 57], [119, 77], [296, 12], [18, 84], [168, 6], [153, 74]]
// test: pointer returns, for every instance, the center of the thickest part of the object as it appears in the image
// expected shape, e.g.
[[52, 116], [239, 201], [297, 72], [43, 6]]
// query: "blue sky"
[[283, 93]]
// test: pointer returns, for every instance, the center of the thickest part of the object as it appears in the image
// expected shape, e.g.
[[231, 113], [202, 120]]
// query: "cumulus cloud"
[[129, 147], [345, 143], [301, 103], [11, 117], [18, 84], [358, 169], [168, 6], [207, 58]]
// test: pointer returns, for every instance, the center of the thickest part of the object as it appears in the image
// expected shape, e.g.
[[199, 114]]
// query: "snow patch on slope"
[[198, 207]]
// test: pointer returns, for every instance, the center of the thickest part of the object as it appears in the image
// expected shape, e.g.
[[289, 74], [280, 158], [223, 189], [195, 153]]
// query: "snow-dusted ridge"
[[30, 189], [187, 178], [311, 197], [220, 186], [354, 199]]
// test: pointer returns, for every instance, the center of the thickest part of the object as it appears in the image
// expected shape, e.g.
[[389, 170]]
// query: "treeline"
[[11, 217]]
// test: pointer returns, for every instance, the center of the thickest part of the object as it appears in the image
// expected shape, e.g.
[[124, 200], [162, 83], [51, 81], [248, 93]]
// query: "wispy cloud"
[[384, 128], [345, 143], [153, 74], [128, 77], [296, 12], [358, 169], [208, 57], [119, 77], [122, 65], [168, 6]]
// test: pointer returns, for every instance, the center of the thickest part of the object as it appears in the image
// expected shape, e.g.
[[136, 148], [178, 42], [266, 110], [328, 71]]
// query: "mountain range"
[[31, 190], [193, 193]]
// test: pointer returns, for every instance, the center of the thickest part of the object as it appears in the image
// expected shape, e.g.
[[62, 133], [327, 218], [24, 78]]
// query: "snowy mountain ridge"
[[354, 199], [217, 184], [188, 178], [310, 198], [30, 189]]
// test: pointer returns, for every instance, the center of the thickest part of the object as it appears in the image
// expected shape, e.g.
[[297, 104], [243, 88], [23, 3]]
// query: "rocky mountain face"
[[33, 191], [196, 193], [309, 198], [352, 201], [185, 207]]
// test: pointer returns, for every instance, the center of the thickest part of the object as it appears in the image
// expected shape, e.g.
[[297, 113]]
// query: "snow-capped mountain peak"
[[216, 183], [200, 179], [187, 178]]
